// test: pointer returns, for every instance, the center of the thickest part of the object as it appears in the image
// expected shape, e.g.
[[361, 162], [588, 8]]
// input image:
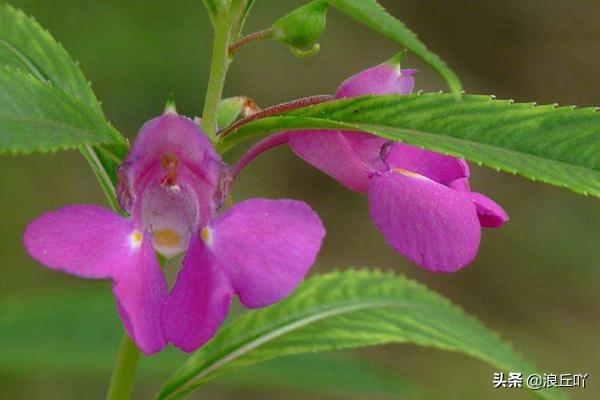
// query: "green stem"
[[121, 382], [216, 81]]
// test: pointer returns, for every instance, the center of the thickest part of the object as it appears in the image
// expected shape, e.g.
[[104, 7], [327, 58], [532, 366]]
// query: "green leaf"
[[77, 332], [346, 310], [26, 45], [373, 15], [35, 116], [556, 145]]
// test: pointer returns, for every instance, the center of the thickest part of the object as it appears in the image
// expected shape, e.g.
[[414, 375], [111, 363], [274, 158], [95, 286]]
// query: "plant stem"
[[216, 81], [253, 37], [121, 382], [275, 110]]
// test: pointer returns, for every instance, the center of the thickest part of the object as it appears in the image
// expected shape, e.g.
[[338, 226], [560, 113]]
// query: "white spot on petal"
[[206, 235], [135, 239]]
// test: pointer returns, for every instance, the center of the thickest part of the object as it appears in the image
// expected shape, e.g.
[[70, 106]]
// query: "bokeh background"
[[536, 280]]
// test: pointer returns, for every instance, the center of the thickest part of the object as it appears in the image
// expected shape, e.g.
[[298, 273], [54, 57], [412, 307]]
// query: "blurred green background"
[[536, 280]]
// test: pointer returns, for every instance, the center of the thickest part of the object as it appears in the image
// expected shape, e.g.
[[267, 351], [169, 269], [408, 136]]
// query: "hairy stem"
[[121, 382], [252, 37], [275, 110]]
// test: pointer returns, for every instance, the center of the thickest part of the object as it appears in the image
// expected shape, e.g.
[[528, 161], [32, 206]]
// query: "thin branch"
[[277, 109], [252, 37]]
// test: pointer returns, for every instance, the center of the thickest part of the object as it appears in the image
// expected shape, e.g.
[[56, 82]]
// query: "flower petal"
[[164, 147], [439, 167], [141, 290], [172, 215], [93, 242], [385, 78], [431, 224], [490, 214], [338, 157], [174, 134], [87, 241], [461, 184], [199, 302], [266, 247]]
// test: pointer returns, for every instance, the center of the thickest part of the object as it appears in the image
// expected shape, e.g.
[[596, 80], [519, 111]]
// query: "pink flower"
[[172, 184], [419, 199]]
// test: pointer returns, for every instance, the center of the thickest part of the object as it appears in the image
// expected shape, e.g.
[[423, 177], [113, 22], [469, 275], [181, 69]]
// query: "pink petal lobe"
[[170, 134], [93, 242], [141, 290], [438, 167], [173, 150], [87, 241], [332, 153], [384, 78], [431, 224], [461, 184], [266, 247], [199, 302], [491, 215]]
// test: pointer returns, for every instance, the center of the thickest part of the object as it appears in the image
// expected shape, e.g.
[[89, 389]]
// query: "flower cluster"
[[173, 185]]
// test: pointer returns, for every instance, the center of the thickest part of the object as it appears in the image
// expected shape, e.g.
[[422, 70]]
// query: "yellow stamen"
[[167, 238]]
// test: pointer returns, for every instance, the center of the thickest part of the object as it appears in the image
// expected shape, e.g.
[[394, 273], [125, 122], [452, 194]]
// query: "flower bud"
[[302, 28], [232, 108], [385, 78]]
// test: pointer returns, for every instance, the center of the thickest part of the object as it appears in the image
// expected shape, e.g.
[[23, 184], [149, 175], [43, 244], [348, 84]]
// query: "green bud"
[[232, 108], [302, 28]]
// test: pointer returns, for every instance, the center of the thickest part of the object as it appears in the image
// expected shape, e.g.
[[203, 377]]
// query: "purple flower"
[[172, 184], [419, 199]]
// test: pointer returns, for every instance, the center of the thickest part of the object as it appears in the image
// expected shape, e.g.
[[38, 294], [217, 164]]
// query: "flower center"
[[171, 216], [167, 238]]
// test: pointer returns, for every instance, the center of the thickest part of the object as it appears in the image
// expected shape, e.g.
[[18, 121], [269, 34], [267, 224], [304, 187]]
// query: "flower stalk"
[[121, 382], [220, 62], [216, 81]]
